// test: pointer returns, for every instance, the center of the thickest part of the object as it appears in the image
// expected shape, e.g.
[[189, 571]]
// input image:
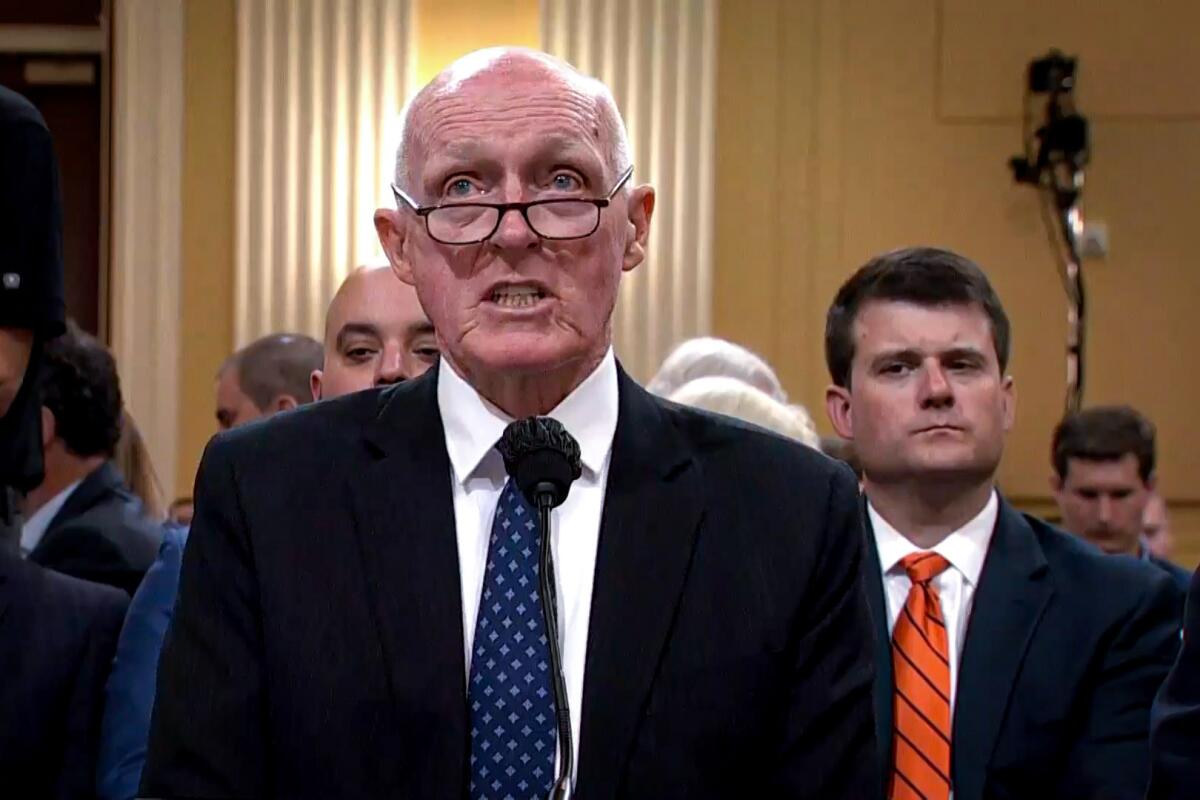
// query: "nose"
[[513, 232], [936, 391], [1104, 509], [391, 366]]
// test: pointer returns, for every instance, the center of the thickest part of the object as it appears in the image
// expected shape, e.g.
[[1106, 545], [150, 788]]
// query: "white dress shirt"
[[35, 527], [473, 427], [965, 549]]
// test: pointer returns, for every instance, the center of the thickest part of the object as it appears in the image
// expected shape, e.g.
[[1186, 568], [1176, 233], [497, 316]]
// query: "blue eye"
[[564, 182], [460, 187]]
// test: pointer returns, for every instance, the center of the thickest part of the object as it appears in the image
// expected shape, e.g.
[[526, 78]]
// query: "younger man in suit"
[[1104, 479], [1013, 660], [82, 519]]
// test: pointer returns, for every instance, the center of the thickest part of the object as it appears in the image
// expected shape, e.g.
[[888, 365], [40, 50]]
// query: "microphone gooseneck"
[[542, 459]]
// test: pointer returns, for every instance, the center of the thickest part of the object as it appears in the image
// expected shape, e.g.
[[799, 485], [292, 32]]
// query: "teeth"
[[516, 296]]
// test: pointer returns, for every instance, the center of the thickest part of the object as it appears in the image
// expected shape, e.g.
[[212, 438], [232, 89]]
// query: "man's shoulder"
[[55, 595], [1181, 576], [720, 438], [1087, 576], [304, 429]]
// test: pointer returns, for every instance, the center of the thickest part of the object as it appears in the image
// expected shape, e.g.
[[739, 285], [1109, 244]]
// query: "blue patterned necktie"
[[510, 692]]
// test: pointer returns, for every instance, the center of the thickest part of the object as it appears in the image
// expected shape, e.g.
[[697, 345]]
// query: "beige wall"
[[206, 286], [849, 127]]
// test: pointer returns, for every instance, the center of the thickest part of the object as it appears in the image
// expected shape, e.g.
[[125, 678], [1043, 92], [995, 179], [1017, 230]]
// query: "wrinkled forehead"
[[511, 112]]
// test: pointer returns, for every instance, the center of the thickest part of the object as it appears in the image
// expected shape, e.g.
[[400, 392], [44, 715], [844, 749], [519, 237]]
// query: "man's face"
[[376, 334], [234, 407], [15, 346], [926, 396], [515, 303], [1156, 526], [1103, 501]]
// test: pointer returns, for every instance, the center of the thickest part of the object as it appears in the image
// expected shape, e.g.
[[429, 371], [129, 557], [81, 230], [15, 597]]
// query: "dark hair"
[[926, 276], [1104, 433], [79, 384], [277, 365]]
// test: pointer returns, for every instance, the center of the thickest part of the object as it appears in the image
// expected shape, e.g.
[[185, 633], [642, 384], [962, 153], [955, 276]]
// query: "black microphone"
[[542, 459]]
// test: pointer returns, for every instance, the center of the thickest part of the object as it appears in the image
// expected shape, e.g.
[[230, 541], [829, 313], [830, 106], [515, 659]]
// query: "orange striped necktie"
[[921, 705]]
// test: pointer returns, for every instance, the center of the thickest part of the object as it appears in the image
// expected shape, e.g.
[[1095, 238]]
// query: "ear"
[[285, 402], [1152, 483], [1009, 399], [393, 237], [641, 210], [837, 406], [1056, 484], [49, 427], [314, 383]]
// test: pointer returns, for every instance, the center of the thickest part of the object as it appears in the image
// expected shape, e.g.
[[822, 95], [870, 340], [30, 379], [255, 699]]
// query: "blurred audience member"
[[180, 511], [740, 400], [56, 633], [375, 334], [265, 377], [1012, 660], [1156, 528], [133, 462], [1103, 478], [709, 357], [82, 519]]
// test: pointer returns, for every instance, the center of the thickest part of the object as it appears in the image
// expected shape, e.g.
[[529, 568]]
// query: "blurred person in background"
[[82, 519], [707, 356], [735, 398], [375, 334], [1104, 477], [1156, 527], [180, 511], [132, 460], [269, 375], [57, 633]]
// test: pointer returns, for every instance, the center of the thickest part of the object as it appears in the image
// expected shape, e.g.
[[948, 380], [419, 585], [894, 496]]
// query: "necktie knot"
[[923, 567]]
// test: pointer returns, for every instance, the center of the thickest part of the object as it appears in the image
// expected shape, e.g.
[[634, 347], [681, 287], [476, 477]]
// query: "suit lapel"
[[884, 686], [1013, 591], [654, 503], [405, 526]]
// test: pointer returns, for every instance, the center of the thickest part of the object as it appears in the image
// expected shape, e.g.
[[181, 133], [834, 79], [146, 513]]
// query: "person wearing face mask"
[[1012, 659], [377, 599]]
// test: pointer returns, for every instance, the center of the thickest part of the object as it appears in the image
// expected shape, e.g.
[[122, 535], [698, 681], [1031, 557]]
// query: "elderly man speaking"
[[359, 615]]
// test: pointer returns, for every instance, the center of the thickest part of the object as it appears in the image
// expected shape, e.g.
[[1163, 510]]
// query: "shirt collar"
[[965, 548], [473, 425], [35, 527]]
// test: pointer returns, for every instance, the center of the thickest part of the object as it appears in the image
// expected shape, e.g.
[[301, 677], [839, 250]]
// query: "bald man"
[[376, 334], [365, 622]]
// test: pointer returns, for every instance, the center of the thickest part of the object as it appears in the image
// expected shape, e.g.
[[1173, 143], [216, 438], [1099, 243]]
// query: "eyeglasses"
[[471, 223]]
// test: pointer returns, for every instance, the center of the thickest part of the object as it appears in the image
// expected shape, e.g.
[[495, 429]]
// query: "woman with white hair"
[[708, 356], [735, 398]]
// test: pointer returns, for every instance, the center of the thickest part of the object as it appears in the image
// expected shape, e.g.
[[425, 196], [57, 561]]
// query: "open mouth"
[[516, 296]]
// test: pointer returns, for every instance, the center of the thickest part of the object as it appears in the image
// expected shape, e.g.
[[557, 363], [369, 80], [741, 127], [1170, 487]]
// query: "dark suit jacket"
[[1178, 574], [1065, 648], [101, 534], [1175, 720], [317, 647], [57, 637]]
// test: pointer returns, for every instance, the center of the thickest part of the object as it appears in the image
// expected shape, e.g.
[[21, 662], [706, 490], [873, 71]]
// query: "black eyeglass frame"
[[504, 208]]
